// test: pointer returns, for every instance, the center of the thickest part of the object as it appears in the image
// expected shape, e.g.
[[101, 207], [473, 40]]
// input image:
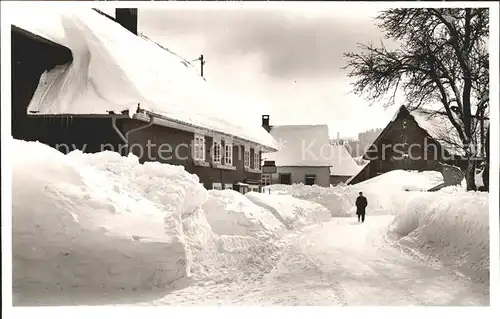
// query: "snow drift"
[[231, 213], [451, 225], [65, 235], [292, 212], [106, 222], [384, 192]]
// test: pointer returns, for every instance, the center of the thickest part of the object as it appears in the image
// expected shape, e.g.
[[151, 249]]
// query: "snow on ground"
[[292, 212], [105, 222], [336, 199], [87, 223], [231, 213], [382, 192], [404, 180], [451, 225], [341, 263], [66, 236]]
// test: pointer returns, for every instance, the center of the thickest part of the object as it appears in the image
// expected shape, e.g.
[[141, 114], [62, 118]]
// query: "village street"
[[342, 263]]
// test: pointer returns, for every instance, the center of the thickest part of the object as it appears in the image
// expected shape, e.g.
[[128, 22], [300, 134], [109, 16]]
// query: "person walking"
[[361, 203]]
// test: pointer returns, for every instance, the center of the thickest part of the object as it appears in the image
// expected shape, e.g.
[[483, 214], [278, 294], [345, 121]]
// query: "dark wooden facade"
[[404, 136], [95, 133], [171, 139]]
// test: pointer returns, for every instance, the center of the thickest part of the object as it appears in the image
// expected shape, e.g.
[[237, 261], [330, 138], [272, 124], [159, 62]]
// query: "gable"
[[421, 123]]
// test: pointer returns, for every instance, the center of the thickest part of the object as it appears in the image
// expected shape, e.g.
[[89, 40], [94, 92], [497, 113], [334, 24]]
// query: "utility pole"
[[202, 61]]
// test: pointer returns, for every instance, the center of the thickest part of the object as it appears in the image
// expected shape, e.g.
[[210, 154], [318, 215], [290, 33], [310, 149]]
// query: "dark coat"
[[361, 203]]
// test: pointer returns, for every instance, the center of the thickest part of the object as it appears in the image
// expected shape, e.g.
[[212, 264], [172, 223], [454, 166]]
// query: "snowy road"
[[342, 263], [339, 263]]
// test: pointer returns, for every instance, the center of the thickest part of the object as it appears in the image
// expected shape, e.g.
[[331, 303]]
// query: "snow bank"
[[68, 233], [290, 211], [336, 199], [385, 193], [451, 225], [106, 222], [400, 180], [231, 213]]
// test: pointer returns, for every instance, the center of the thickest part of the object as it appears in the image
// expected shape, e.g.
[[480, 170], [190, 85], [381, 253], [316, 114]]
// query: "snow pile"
[[231, 213], [404, 180], [451, 225], [385, 193], [104, 222], [290, 211], [65, 235], [336, 199], [340, 200]]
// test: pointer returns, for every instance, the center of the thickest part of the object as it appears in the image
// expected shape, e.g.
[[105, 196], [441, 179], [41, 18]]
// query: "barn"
[[415, 139]]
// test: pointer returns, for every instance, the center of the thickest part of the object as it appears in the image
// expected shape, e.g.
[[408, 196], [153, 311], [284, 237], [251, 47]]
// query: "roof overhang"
[[161, 120]]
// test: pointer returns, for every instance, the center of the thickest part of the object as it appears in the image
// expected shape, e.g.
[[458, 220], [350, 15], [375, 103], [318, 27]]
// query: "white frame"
[[256, 159], [199, 142], [216, 151], [246, 157], [217, 186], [228, 154]]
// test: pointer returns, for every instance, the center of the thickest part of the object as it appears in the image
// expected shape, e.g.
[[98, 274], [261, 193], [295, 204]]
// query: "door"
[[286, 179]]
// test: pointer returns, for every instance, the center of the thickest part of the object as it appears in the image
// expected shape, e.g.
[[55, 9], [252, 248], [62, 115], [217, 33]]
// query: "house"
[[418, 139], [343, 167], [302, 156], [96, 85]]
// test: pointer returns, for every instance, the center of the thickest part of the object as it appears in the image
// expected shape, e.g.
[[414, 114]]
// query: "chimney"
[[127, 17], [265, 122]]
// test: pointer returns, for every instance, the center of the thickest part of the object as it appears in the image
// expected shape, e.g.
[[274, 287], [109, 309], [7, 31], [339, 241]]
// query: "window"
[[266, 179], [216, 156], [228, 154], [228, 186], [256, 159], [310, 179], [247, 157], [217, 186], [199, 148]]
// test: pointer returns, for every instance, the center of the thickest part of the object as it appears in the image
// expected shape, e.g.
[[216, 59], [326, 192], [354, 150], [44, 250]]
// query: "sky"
[[285, 61]]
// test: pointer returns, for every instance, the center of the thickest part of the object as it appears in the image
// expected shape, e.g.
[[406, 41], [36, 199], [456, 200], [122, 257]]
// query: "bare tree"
[[442, 57]]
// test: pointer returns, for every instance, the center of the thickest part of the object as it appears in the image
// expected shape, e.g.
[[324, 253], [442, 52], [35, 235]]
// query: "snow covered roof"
[[114, 70], [439, 127], [342, 162], [301, 145]]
